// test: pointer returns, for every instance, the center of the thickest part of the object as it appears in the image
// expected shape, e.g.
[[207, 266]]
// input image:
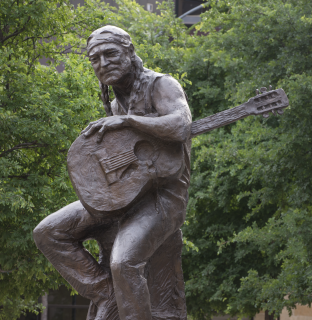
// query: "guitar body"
[[111, 175]]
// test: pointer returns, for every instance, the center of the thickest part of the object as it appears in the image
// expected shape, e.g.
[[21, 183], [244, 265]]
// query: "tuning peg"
[[270, 87], [280, 111], [265, 115], [257, 91], [263, 89]]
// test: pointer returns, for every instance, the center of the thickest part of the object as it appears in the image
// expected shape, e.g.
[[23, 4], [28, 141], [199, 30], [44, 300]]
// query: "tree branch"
[[9, 271], [46, 37], [24, 176], [16, 32], [29, 145]]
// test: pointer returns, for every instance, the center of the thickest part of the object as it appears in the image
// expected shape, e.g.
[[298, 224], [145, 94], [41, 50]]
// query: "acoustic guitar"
[[109, 176]]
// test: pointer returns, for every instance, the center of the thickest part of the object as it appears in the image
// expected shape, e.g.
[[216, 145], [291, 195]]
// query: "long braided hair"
[[105, 99]]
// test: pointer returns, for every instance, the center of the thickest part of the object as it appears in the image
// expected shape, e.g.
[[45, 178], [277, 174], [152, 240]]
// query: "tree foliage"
[[41, 113], [247, 230], [251, 188]]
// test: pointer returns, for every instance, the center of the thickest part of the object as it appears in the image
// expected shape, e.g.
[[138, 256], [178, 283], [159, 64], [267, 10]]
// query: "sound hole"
[[144, 150]]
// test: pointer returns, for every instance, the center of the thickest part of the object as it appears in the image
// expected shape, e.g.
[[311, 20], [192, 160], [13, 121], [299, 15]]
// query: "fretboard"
[[218, 120]]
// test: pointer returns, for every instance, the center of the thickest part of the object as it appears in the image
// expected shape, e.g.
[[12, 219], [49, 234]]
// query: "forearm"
[[174, 127]]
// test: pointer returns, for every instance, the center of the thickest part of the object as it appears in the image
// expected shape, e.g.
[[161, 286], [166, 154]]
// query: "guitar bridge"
[[117, 161], [115, 165]]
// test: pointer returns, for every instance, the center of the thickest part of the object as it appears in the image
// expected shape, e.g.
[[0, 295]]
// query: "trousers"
[[131, 241]]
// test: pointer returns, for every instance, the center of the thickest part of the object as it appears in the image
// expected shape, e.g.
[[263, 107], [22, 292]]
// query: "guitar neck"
[[219, 120]]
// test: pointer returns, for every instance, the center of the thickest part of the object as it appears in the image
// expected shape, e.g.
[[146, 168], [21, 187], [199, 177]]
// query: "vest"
[[141, 104]]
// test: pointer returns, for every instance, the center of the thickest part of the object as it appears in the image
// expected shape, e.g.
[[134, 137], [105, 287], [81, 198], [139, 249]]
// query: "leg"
[[141, 232], [60, 235], [107, 309], [165, 280]]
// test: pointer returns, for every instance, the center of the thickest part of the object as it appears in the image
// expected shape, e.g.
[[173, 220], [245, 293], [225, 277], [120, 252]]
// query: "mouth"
[[109, 71]]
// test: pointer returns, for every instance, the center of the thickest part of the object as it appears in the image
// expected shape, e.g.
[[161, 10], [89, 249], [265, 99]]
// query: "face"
[[110, 62]]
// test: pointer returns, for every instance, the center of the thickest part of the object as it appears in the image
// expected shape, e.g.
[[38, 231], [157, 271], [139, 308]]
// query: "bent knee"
[[59, 226], [42, 234]]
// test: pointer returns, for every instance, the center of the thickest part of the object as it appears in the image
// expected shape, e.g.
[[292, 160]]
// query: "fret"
[[219, 120]]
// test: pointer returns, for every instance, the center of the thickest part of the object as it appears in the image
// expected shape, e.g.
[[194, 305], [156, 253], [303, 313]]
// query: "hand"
[[104, 124]]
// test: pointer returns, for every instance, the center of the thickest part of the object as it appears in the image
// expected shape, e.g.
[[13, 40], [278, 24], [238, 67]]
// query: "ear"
[[131, 52]]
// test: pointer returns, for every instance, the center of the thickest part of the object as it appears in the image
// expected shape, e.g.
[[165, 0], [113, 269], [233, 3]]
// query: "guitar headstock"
[[268, 101]]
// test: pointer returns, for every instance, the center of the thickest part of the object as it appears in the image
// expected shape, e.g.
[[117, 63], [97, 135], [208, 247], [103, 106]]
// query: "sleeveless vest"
[[141, 104]]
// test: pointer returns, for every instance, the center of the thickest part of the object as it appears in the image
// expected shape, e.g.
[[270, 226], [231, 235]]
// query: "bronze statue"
[[132, 179]]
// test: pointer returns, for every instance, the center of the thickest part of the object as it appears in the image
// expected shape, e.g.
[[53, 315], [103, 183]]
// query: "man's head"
[[111, 53]]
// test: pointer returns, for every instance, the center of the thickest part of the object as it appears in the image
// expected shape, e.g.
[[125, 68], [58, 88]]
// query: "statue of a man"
[[152, 103]]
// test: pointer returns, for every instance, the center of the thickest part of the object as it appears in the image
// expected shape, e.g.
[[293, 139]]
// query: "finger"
[[89, 126], [101, 134], [93, 128], [85, 129], [103, 128]]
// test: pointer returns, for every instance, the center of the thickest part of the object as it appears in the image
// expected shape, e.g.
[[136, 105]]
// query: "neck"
[[125, 84]]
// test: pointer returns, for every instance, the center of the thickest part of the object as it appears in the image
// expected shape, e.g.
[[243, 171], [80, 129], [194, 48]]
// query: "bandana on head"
[[108, 34]]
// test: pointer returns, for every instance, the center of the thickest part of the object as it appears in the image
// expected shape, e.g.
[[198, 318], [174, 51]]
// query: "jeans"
[[130, 240]]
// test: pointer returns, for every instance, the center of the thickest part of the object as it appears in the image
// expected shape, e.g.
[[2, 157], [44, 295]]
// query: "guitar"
[[109, 176]]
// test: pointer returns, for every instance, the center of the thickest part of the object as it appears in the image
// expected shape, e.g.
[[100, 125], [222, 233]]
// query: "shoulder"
[[166, 83], [167, 87], [168, 97]]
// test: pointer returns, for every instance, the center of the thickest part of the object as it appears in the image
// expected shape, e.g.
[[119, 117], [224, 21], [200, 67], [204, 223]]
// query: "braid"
[[105, 99]]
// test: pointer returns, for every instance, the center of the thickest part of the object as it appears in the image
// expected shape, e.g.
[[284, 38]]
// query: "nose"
[[104, 61]]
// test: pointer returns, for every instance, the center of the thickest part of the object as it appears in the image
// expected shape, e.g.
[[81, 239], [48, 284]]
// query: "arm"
[[173, 123]]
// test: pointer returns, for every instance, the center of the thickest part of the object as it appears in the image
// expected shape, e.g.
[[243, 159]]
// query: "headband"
[[108, 34]]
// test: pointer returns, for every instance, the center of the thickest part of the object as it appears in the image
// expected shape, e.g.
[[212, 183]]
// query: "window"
[[63, 306], [149, 7]]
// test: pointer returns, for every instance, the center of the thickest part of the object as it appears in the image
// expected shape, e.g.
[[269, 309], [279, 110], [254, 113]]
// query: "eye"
[[94, 59], [112, 53]]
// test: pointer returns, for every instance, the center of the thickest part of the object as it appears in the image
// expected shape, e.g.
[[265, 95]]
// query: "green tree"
[[41, 113], [250, 206]]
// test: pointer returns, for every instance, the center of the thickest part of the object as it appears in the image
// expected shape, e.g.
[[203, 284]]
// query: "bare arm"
[[173, 123]]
